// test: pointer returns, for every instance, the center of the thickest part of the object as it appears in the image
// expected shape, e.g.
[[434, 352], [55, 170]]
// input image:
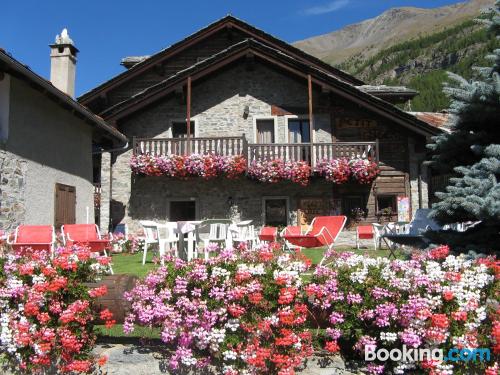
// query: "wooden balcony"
[[227, 146]]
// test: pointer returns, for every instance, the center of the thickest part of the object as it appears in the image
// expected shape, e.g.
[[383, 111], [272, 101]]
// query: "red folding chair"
[[268, 234], [291, 230], [323, 231], [86, 235], [34, 237]]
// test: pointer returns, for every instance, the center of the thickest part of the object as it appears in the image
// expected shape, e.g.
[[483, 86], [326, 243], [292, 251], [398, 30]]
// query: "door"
[[182, 210], [299, 132], [179, 131], [64, 205], [276, 212], [265, 131]]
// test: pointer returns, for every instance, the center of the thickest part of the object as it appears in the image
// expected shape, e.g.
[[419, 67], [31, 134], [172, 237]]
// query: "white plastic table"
[[189, 228]]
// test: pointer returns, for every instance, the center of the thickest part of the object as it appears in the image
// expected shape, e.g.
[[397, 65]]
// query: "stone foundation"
[[12, 189]]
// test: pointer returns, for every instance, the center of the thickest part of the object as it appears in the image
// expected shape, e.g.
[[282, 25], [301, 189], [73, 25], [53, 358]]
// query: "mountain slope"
[[366, 38]]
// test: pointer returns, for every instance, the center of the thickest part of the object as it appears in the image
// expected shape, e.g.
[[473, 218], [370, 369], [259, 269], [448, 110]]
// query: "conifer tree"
[[471, 151]]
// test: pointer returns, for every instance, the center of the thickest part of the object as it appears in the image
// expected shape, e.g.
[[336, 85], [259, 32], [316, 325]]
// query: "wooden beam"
[[311, 121], [188, 114]]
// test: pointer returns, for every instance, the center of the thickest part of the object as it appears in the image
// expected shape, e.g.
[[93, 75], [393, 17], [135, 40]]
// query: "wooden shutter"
[[65, 205]]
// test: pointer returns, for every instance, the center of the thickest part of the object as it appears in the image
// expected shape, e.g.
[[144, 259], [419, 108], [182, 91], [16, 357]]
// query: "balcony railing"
[[227, 146]]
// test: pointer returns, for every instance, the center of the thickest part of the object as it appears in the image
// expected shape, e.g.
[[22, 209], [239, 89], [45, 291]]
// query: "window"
[[298, 131], [265, 131], [387, 202], [276, 211], [179, 129], [64, 205], [182, 210]]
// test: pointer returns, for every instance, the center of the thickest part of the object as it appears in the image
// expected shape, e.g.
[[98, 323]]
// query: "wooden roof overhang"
[[277, 58], [228, 22]]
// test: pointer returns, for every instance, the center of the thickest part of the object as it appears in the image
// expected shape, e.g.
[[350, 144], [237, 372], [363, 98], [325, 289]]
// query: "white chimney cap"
[[64, 38]]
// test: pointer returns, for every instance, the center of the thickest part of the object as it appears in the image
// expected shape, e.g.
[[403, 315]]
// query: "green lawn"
[[132, 263]]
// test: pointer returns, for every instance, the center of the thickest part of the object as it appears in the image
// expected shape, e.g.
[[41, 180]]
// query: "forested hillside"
[[421, 63]]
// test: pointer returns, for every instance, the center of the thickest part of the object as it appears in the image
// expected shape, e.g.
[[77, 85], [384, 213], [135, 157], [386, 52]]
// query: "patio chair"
[[86, 235], [323, 231], [245, 234], [34, 237], [413, 233], [171, 238], [380, 232], [151, 237], [365, 232], [291, 230], [217, 233], [268, 234]]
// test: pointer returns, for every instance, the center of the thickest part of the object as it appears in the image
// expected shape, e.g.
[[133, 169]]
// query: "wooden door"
[[64, 205]]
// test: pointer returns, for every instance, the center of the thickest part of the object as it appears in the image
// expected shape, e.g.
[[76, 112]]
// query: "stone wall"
[[218, 104], [12, 189], [241, 199]]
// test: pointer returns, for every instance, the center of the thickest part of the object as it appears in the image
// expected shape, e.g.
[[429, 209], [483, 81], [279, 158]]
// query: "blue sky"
[[105, 31]]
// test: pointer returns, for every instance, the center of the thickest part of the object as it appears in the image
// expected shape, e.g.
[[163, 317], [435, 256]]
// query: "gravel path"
[[125, 359]]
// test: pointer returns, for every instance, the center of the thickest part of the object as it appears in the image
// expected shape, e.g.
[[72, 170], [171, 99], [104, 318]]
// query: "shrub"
[[47, 314], [240, 311], [248, 311], [432, 301]]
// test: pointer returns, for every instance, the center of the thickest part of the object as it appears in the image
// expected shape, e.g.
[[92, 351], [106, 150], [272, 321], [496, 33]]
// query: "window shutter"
[[65, 205]]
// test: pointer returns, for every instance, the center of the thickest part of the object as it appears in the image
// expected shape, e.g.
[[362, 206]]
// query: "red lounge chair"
[[323, 231], [268, 234], [291, 230], [85, 234], [35, 237]]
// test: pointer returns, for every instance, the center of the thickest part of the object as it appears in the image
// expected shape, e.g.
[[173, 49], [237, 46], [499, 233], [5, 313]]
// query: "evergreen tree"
[[471, 151]]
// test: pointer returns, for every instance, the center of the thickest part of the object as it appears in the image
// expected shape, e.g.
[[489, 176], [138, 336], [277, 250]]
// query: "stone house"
[[232, 88], [46, 143]]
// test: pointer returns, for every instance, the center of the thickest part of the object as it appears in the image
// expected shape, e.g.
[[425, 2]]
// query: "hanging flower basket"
[[207, 166]]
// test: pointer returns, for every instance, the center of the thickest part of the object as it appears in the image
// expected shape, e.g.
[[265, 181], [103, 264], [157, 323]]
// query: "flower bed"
[[248, 311], [46, 314], [207, 166], [272, 171], [432, 301], [130, 244], [242, 311]]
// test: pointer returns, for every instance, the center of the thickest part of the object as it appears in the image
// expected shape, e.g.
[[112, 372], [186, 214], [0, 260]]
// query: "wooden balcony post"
[[377, 151], [311, 120], [188, 115]]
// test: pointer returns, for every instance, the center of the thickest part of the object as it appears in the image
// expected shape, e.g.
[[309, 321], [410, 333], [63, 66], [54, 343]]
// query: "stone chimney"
[[63, 63]]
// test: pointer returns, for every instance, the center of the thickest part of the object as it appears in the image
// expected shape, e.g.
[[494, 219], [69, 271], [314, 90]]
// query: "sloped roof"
[[14, 67], [440, 120], [227, 21], [276, 57]]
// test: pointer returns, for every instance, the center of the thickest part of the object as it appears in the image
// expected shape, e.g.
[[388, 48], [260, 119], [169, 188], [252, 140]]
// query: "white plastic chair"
[[171, 238], [245, 234], [151, 237], [218, 234]]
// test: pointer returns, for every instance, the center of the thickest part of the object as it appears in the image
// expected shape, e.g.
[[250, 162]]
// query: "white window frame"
[[275, 120], [276, 197], [298, 117], [186, 199], [194, 120]]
